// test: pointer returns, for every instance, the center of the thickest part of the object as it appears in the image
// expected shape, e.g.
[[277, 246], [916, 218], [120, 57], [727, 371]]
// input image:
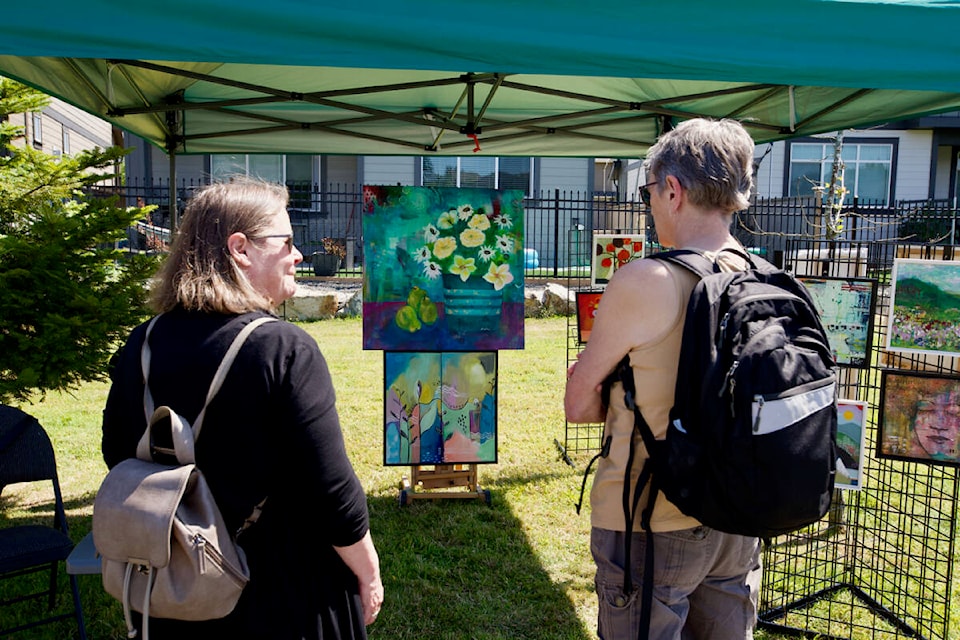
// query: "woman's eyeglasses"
[[645, 192], [288, 238]]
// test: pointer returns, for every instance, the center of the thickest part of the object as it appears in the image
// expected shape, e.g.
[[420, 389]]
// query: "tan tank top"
[[655, 374]]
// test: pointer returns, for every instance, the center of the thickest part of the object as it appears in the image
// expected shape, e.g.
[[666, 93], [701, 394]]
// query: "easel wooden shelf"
[[424, 482]]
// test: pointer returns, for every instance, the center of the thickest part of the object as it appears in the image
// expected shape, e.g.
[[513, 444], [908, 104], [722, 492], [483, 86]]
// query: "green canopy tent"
[[505, 77]]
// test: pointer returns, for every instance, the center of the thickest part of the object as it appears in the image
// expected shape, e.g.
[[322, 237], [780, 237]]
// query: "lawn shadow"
[[460, 568]]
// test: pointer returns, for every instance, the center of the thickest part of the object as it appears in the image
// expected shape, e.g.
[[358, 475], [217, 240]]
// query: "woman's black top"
[[272, 431]]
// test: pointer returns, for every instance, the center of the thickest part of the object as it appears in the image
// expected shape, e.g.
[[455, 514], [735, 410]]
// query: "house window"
[[868, 169], [294, 171], [66, 142], [37, 121], [485, 172]]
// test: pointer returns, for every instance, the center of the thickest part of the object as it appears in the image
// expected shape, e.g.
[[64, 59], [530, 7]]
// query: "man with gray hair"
[[705, 582]]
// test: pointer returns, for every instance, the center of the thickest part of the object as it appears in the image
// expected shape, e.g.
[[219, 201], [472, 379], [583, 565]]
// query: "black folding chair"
[[26, 455]]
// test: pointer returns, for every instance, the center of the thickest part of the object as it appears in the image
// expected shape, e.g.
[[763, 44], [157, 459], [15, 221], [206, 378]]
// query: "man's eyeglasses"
[[645, 192], [288, 238]]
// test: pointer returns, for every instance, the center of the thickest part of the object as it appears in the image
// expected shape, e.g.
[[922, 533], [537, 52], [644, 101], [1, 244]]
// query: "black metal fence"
[[559, 224]]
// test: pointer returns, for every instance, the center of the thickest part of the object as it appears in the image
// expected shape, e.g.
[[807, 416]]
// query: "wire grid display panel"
[[582, 439], [880, 564]]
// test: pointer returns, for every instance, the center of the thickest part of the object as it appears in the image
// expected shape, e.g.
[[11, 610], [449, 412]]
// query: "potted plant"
[[327, 261]]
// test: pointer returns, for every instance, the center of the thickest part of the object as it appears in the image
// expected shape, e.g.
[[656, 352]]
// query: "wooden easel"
[[424, 482]]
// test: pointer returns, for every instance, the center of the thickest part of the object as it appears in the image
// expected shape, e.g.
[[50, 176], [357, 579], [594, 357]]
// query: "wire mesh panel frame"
[[880, 564]]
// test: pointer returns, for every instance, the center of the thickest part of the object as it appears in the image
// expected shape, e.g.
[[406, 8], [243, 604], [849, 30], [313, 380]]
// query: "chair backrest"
[[26, 453]]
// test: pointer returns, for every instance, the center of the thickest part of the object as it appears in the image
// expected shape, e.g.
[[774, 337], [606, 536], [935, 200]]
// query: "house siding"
[[389, 170]]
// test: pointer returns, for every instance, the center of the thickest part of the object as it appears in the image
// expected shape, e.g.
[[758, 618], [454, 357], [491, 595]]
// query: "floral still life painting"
[[610, 252], [443, 268], [587, 303], [924, 307], [440, 408]]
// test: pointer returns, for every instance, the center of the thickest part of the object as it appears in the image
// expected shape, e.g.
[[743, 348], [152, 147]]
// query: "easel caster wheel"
[[404, 499]]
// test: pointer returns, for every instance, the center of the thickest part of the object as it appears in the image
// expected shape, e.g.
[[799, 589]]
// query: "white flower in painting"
[[499, 276], [432, 270], [431, 233], [486, 253], [447, 219], [503, 221], [465, 211], [505, 244], [422, 254]]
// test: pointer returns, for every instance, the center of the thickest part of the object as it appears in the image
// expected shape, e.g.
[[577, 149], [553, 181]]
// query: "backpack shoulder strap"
[[218, 377]]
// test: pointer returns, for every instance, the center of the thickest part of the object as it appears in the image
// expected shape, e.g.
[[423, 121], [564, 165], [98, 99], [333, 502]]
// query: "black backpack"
[[751, 444]]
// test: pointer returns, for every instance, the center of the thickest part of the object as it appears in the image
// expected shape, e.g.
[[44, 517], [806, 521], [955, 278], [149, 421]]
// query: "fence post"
[[556, 232]]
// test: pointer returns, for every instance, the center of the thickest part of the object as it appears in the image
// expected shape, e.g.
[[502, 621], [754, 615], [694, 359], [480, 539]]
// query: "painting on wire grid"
[[611, 252], [587, 303], [851, 441], [920, 417], [924, 307], [440, 408], [443, 269], [846, 307]]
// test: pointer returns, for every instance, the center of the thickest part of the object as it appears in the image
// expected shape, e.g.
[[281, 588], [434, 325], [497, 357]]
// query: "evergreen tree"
[[67, 295]]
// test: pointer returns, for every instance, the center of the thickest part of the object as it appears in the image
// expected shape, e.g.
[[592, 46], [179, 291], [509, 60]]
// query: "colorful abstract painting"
[[851, 442], [443, 269], [612, 251], [587, 303], [924, 307], [440, 408], [920, 417], [846, 307]]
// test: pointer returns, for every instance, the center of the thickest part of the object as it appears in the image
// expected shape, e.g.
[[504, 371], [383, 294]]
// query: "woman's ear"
[[237, 245]]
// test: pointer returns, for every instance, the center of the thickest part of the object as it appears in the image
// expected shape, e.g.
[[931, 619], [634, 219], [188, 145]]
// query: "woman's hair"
[[712, 159], [199, 274]]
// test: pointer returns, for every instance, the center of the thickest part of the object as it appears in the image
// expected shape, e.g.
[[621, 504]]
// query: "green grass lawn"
[[517, 568]]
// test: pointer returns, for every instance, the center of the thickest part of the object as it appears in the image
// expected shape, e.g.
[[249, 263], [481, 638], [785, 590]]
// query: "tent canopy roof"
[[524, 77]]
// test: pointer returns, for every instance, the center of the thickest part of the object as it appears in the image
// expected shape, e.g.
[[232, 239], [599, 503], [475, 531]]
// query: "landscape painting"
[[846, 307], [442, 269], [612, 251], [440, 408], [924, 307], [851, 442], [920, 417]]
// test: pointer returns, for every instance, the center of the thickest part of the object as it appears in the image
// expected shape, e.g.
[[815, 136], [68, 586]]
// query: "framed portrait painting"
[[587, 302], [846, 307], [851, 442], [924, 307], [612, 251], [440, 408], [919, 417]]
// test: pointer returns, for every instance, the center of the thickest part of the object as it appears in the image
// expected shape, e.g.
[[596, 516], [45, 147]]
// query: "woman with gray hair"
[[272, 432], [705, 582]]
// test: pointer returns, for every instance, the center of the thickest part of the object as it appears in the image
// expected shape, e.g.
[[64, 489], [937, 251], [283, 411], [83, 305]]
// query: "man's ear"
[[237, 245]]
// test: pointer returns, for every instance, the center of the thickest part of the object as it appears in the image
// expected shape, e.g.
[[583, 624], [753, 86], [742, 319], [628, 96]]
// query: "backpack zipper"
[[209, 552]]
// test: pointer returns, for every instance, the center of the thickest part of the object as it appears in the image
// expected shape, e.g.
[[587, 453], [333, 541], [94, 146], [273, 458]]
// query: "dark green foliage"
[[68, 296]]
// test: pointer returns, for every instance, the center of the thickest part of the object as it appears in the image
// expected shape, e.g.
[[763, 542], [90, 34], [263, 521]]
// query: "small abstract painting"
[[920, 417], [612, 251], [924, 307], [443, 269], [440, 408], [846, 307], [587, 302], [851, 442]]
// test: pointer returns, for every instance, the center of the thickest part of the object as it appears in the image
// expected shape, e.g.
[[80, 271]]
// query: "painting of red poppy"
[[587, 302], [611, 252]]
